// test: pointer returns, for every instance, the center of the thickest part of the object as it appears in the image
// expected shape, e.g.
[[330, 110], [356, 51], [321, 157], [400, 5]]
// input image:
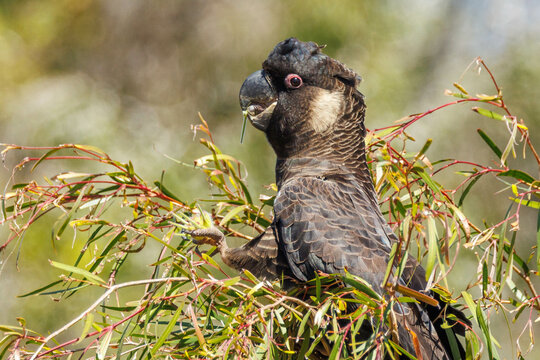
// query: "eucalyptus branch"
[[223, 316], [105, 295]]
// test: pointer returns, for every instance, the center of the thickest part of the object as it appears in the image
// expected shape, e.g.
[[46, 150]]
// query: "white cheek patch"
[[325, 109]]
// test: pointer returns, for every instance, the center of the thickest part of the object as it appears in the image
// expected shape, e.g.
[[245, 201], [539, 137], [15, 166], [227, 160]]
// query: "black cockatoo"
[[327, 216]]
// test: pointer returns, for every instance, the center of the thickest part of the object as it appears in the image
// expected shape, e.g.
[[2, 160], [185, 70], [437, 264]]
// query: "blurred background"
[[130, 76]]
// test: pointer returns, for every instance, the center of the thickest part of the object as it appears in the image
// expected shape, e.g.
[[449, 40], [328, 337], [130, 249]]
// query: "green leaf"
[[250, 276], [518, 175], [518, 259], [209, 259], [485, 278], [104, 345], [75, 270], [517, 292], [166, 191], [490, 143], [467, 189], [302, 326], [390, 264], [485, 329], [231, 281], [455, 94], [529, 203], [88, 321], [74, 209], [538, 239], [360, 284], [246, 192], [46, 155], [231, 214], [318, 287], [337, 345], [244, 122], [393, 345], [7, 340], [488, 113], [460, 88], [121, 340], [470, 302], [388, 130], [167, 331], [399, 206], [428, 180], [255, 288], [424, 149], [462, 219], [509, 264], [454, 347], [108, 248], [305, 343], [472, 346], [41, 289], [433, 247], [119, 308]]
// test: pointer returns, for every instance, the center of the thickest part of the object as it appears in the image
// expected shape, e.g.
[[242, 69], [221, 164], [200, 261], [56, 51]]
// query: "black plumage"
[[327, 216]]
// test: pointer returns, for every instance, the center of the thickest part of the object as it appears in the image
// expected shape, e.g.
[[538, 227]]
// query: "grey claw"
[[210, 236]]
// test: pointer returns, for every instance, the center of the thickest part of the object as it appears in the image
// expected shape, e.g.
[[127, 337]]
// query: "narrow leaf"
[[92, 149], [518, 175], [303, 324], [108, 248], [538, 239], [428, 180], [166, 191], [470, 302], [337, 346], [433, 249], [46, 155], [104, 345], [485, 280], [488, 113], [360, 284], [424, 148], [462, 219], [467, 189], [72, 269], [390, 265], [319, 315], [490, 143], [37, 291], [509, 146], [485, 329], [231, 214], [244, 122], [416, 295], [318, 287], [88, 320], [529, 203], [168, 330]]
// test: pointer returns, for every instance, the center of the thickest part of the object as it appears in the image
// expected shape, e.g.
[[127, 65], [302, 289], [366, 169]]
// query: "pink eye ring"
[[293, 81]]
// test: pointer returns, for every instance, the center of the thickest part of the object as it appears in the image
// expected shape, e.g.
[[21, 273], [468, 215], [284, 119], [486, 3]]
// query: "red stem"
[[104, 330]]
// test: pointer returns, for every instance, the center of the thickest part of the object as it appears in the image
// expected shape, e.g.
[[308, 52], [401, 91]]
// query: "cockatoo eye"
[[293, 81]]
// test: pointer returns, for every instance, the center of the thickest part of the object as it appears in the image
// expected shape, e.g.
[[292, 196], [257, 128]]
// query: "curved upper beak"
[[258, 99]]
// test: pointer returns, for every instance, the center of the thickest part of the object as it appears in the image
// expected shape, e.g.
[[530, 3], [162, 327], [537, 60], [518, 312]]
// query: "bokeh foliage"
[[191, 306]]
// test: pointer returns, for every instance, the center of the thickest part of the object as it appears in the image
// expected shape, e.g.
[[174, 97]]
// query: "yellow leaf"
[[70, 175]]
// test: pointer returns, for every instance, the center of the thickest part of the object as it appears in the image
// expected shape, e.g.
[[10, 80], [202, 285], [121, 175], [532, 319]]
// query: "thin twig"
[[97, 303]]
